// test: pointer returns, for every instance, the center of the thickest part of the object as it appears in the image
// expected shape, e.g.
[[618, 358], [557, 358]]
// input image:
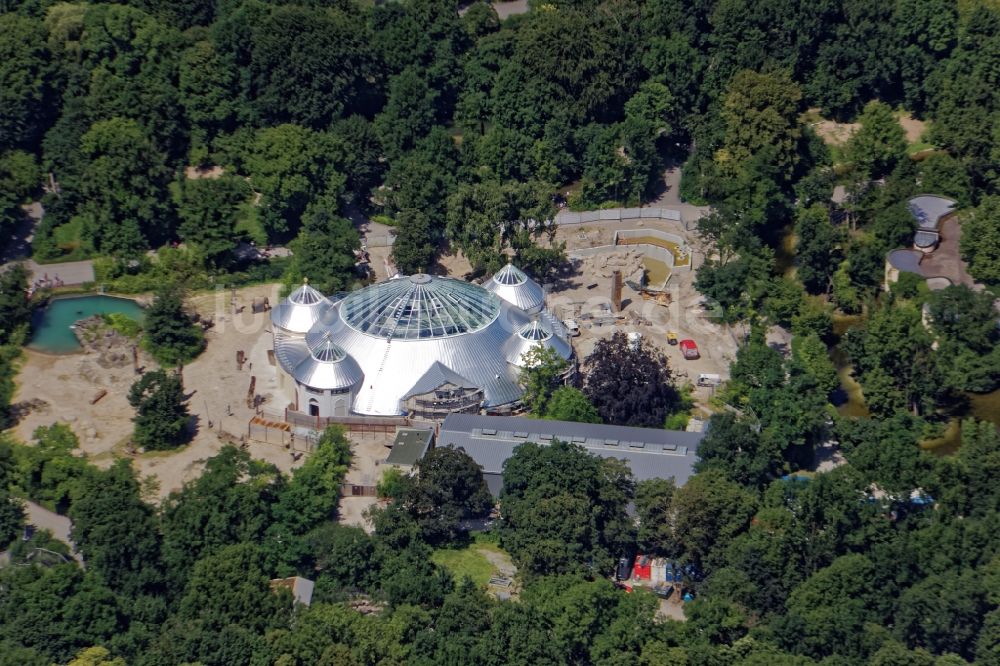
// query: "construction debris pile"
[[604, 265]]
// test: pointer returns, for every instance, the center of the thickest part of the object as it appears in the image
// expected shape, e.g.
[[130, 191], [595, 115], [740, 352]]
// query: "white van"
[[572, 328], [709, 380]]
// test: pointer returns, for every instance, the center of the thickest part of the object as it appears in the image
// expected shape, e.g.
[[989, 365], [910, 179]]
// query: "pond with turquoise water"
[[51, 324]]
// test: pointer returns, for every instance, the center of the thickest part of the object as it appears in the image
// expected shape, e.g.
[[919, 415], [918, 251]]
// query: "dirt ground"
[[576, 296], [834, 133], [370, 452], [216, 389], [913, 128], [837, 134], [673, 609]]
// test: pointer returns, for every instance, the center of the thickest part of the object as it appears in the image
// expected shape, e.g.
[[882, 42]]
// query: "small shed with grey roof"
[[650, 453], [410, 445]]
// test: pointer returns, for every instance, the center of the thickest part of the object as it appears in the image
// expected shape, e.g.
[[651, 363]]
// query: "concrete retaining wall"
[[654, 233], [569, 217]]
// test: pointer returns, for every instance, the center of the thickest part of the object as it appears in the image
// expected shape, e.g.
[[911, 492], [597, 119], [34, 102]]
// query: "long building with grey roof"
[[650, 453]]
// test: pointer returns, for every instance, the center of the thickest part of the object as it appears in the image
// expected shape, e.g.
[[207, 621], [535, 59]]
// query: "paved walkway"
[[70, 273], [946, 260], [671, 198], [44, 519], [503, 9]]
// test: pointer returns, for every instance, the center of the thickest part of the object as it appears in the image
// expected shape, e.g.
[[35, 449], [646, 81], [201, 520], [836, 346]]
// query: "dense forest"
[[458, 129]]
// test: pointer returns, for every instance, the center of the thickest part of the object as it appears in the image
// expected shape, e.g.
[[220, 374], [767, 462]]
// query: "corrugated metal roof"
[[409, 446], [302, 309], [532, 334], [650, 453], [514, 286], [390, 365], [436, 376], [320, 365], [397, 331]]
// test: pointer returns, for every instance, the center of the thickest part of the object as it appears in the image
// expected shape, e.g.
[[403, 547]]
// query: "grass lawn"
[[67, 236], [919, 147], [470, 561], [466, 562], [248, 221]]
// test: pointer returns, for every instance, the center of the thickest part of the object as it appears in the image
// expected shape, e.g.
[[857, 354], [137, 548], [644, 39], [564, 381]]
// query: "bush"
[[393, 483], [48, 472], [123, 324], [908, 285]]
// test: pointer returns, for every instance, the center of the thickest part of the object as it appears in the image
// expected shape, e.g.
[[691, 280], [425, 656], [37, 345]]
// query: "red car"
[[689, 349]]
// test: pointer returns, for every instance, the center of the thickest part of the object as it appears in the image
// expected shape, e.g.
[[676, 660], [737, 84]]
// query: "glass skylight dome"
[[420, 306]]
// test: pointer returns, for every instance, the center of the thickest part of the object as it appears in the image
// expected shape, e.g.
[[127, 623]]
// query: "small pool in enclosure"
[[52, 325]]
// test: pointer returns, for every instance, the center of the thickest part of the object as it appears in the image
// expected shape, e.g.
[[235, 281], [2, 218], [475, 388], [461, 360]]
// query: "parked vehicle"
[[572, 328], [624, 569], [705, 379], [671, 337], [690, 350]]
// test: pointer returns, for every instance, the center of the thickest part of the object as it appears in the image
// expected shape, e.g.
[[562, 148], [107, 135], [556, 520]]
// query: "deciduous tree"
[[324, 249], [980, 242], [116, 532], [170, 334], [564, 510], [124, 199], [541, 374], [162, 419], [629, 384], [568, 403], [449, 488], [879, 144]]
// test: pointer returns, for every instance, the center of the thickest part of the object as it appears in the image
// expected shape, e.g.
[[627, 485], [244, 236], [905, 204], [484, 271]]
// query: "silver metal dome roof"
[[298, 312], [398, 330], [398, 337], [419, 307], [318, 363], [514, 286], [531, 335]]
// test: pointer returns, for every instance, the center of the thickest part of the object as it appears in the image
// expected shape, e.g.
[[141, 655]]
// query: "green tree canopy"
[[570, 404], [161, 419], [170, 334], [208, 210], [760, 110], [415, 245], [323, 252], [448, 489], [290, 166], [980, 242], [629, 384], [116, 532], [564, 510], [879, 144], [124, 199], [27, 84], [541, 374]]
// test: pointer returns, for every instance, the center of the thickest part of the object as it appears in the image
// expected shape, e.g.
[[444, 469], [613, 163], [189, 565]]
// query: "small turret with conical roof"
[[514, 286], [297, 313]]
